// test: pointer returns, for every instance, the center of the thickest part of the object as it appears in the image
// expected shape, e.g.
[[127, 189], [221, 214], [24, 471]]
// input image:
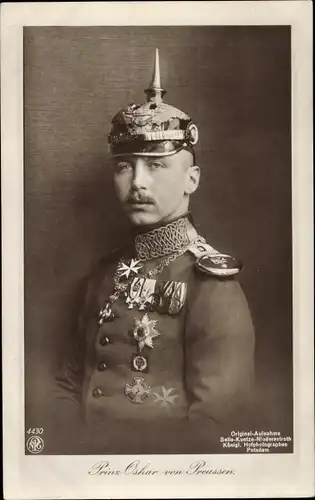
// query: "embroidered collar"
[[165, 239]]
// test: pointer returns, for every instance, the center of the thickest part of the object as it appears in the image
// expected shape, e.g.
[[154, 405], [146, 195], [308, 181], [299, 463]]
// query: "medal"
[[140, 293], [178, 298], [172, 296], [146, 294], [131, 302], [166, 398], [144, 332], [149, 299], [139, 363], [138, 390], [125, 270]]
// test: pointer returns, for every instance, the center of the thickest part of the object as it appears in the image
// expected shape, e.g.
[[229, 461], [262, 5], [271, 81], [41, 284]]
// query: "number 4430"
[[35, 430]]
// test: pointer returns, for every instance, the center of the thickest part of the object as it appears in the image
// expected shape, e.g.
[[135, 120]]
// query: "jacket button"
[[97, 393], [102, 366], [104, 340]]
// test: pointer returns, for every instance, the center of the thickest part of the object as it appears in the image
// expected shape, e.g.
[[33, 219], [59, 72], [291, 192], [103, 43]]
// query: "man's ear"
[[192, 179]]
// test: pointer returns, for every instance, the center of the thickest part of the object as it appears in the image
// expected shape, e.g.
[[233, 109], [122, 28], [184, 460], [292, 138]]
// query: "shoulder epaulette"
[[212, 262]]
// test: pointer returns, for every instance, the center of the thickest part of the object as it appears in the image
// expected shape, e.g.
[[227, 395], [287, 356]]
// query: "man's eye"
[[122, 166], [156, 164]]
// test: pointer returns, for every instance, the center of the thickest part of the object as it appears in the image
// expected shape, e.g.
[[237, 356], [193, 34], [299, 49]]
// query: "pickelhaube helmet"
[[153, 128]]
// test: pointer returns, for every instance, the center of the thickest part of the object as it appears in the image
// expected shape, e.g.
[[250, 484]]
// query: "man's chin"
[[142, 219]]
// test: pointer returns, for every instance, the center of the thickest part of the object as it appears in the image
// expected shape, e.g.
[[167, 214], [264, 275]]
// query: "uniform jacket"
[[199, 373]]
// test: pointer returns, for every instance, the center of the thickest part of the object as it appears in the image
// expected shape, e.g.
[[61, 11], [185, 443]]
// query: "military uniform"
[[163, 358]]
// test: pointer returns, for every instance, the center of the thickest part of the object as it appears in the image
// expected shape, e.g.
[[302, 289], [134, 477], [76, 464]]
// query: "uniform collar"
[[165, 239]]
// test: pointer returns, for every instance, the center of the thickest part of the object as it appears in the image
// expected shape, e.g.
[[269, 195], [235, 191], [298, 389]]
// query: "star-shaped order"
[[166, 398], [125, 270], [144, 331]]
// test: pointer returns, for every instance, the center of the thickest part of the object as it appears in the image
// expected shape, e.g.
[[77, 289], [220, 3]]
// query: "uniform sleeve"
[[66, 388], [66, 392], [219, 351]]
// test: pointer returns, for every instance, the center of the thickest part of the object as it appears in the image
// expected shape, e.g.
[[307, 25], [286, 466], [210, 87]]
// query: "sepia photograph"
[[158, 239], [157, 250]]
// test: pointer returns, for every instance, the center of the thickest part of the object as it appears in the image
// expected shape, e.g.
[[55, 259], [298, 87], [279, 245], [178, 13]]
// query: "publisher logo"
[[35, 444]]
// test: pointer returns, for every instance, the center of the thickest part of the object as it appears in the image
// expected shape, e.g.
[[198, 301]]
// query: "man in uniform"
[[164, 351]]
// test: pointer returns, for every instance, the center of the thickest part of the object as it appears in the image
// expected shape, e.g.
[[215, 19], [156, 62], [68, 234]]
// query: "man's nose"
[[141, 178]]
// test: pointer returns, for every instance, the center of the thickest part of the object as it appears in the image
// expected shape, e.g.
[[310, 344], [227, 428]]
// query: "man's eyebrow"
[[152, 159]]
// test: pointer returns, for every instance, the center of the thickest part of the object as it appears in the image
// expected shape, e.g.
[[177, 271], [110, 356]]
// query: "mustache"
[[139, 198]]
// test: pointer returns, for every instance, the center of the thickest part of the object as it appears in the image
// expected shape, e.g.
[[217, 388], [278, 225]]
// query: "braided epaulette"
[[212, 262]]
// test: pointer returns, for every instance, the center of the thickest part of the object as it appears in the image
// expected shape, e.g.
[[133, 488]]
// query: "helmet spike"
[[156, 77], [155, 92]]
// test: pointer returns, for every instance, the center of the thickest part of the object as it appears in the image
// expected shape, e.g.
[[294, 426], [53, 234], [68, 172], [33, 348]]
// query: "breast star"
[[144, 331], [125, 270], [165, 399]]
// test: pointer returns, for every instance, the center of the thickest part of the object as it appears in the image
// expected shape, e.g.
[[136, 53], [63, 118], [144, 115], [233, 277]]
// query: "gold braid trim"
[[165, 240]]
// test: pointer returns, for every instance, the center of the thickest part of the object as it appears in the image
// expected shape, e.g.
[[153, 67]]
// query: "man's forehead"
[[136, 158]]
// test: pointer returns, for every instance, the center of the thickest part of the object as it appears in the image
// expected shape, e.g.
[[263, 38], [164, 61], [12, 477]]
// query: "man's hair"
[[192, 152]]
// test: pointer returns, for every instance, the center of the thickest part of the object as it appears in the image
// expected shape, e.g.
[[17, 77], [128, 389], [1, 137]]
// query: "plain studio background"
[[235, 84]]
